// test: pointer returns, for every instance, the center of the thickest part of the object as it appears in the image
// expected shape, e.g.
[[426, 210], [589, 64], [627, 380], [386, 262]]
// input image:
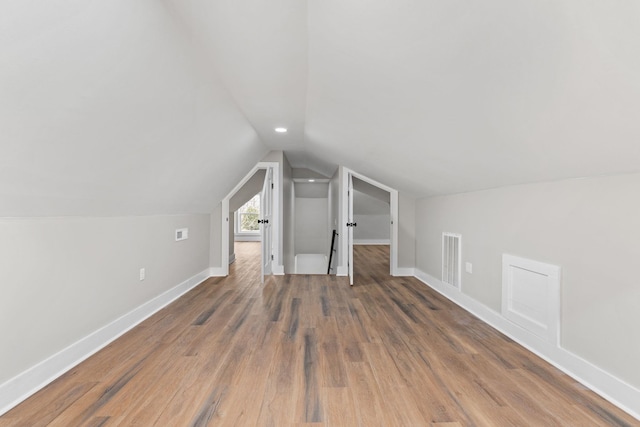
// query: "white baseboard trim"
[[618, 392], [232, 258], [25, 384], [342, 271], [404, 272], [247, 238], [371, 241], [278, 270], [217, 272]]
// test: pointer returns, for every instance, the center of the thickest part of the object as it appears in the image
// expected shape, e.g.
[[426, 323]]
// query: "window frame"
[[240, 213]]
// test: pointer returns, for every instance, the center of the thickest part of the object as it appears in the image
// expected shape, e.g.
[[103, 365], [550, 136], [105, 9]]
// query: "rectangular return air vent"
[[182, 234], [451, 258]]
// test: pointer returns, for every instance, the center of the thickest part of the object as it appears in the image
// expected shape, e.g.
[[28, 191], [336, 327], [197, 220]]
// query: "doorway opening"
[[373, 207], [250, 213], [244, 229]]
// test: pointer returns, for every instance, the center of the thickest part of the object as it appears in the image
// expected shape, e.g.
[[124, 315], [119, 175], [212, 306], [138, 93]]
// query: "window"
[[247, 217]]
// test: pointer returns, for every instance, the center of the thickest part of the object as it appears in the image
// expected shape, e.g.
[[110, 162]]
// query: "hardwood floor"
[[311, 350]]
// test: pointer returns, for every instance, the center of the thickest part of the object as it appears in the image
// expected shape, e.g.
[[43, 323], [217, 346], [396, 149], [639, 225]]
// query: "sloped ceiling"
[[436, 96], [107, 109], [364, 187], [448, 96], [154, 106], [250, 188], [364, 204]]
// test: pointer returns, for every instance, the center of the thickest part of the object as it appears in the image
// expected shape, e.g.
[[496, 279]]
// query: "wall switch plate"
[[142, 274], [468, 267]]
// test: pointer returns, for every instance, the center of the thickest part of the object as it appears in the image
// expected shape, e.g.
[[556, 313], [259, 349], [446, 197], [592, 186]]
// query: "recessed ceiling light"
[[312, 180], [281, 130]]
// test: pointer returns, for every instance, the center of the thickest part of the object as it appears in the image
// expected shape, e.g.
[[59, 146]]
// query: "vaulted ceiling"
[[152, 106]]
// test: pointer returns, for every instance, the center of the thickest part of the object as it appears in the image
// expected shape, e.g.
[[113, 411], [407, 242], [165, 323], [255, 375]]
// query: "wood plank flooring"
[[313, 351]]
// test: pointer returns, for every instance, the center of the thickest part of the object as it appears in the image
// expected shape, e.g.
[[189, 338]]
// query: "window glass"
[[247, 216]]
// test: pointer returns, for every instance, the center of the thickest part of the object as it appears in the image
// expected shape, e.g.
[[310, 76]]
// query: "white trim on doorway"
[[393, 262], [277, 263], [371, 241]]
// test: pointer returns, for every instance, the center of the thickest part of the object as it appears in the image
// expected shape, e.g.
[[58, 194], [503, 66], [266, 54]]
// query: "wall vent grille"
[[451, 258]]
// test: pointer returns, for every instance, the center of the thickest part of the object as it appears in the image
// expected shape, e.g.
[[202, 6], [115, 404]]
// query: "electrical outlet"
[[142, 274], [468, 267]]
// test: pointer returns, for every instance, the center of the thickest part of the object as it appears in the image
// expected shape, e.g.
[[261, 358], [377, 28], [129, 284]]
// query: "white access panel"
[[310, 264], [531, 296]]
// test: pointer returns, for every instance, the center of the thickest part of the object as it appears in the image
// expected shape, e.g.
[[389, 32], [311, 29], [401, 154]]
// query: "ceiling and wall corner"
[[103, 102]]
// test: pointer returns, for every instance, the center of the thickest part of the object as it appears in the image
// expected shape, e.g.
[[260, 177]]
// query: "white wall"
[[309, 190], [288, 216], [232, 240], [215, 243], [588, 227], [372, 228], [406, 231], [371, 214], [333, 208], [63, 278], [311, 225]]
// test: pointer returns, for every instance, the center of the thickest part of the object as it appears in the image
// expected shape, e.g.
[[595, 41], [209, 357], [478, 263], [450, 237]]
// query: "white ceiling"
[[450, 96], [435, 97], [152, 106]]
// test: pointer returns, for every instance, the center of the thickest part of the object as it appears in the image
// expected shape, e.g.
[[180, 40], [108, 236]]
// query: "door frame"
[[266, 215], [393, 210], [350, 229], [275, 205]]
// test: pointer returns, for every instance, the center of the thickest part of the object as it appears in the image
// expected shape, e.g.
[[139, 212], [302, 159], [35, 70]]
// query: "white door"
[[350, 226], [266, 221]]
